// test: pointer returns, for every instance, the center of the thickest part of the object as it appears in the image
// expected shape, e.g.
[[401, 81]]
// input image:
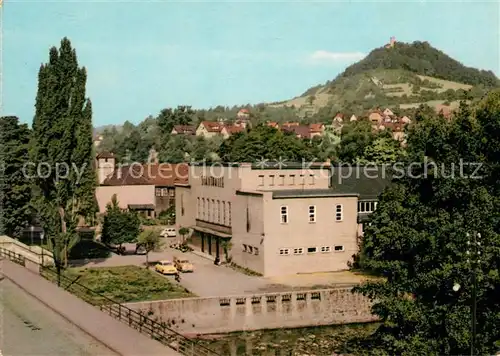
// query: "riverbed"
[[312, 341]]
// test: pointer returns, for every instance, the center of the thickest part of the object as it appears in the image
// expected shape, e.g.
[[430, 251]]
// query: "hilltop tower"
[[391, 43]]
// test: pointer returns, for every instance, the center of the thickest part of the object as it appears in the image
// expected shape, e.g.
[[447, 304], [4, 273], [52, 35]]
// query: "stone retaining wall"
[[260, 311]]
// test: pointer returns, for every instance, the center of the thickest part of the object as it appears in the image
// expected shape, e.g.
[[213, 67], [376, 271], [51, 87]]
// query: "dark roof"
[[105, 154], [157, 174], [309, 193], [185, 129], [367, 181]]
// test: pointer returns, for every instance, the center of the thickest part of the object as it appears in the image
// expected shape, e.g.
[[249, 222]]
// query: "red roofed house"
[[273, 125], [183, 130], [300, 131], [243, 114], [316, 130], [146, 188], [229, 130], [209, 129]]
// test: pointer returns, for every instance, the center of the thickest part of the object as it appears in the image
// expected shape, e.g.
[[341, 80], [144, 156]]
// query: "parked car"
[[168, 232], [165, 267], [140, 250], [183, 265]]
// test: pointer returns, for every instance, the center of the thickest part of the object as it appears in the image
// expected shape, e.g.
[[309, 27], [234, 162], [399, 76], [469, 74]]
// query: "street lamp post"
[[41, 245], [473, 254], [32, 228]]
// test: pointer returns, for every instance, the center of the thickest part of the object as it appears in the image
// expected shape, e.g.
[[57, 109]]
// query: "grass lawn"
[[121, 284]]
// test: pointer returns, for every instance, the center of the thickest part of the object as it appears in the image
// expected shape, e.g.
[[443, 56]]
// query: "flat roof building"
[[277, 219]]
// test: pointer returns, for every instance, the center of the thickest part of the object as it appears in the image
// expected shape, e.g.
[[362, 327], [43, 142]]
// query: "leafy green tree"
[[263, 142], [168, 118], [62, 140], [150, 240], [356, 137], [15, 189], [183, 231], [418, 240], [383, 150], [120, 226]]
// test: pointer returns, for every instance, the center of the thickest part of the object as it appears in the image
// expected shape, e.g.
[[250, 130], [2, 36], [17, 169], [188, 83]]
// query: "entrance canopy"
[[212, 232]]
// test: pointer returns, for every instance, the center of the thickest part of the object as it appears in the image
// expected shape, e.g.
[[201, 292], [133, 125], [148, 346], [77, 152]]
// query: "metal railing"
[[138, 320], [13, 256]]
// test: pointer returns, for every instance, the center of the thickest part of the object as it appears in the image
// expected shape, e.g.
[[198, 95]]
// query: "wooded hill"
[[404, 75]]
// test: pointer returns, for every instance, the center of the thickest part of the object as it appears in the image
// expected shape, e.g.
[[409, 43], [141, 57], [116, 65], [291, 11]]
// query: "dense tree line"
[[418, 240]]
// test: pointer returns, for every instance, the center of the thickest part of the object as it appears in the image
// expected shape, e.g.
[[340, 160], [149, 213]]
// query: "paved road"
[[30, 328]]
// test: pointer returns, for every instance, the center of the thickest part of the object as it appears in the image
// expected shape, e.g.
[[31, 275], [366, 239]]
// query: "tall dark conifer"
[[62, 134], [15, 191]]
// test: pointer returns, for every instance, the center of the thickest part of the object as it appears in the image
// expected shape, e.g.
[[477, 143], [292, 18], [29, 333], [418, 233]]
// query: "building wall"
[[185, 208], [261, 311], [202, 131], [126, 194], [248, 232], [105, 167], [280, 179], [164, 198], [300, 233]]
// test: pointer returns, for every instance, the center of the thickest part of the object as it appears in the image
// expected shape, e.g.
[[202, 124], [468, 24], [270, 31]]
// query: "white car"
[[168, 232]]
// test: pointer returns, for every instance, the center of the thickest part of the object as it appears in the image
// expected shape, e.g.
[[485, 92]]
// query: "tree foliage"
[[15, 190], [150, 240], [418, 239], [62, 138], [120, 226], [263, 142]]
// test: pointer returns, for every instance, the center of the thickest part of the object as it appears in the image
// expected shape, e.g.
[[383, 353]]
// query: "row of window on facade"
[[282, 179], [213, 181], [339, 213], [215, 211], [367, 206], [284, 251], [250, 249], [164, 192]]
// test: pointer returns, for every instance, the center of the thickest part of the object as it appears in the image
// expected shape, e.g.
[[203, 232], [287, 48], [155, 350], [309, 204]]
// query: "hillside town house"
[[279, 219], [146, 188], [183, 130]]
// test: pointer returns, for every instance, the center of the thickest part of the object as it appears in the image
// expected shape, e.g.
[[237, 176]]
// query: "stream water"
[[312, 341]]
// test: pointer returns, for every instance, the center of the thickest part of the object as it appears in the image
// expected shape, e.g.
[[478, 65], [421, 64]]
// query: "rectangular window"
[[312, 213], [261, 180], [256, 251], [284, 251], [302, 180], [325, 249], [271, 179], [311, 179], [298, 251], [338, 212], [339, 248], [223, 213], [375, 206], [164, 192], [284, 215], [229, 213], [197, 208], [311, 250], [204, 209], [214, 209], [209, 210], [282, 179], [292, 179], [218, 211], [171, 192], [158, 192]]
